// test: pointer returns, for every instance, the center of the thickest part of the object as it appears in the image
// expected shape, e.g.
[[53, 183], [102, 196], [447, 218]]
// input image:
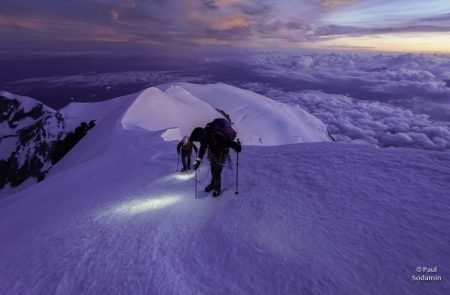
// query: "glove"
[[197, 163]]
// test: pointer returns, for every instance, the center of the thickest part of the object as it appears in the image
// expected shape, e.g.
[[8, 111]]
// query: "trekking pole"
[[237, 173], [178, 162], [196, 183]]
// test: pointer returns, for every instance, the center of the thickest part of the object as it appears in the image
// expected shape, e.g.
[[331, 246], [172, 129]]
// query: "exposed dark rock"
[[62, 147], [7, 107], [41, 140]]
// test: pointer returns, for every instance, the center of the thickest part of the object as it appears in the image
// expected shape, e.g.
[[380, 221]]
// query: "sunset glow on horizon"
[[382, 25], [401, 42]]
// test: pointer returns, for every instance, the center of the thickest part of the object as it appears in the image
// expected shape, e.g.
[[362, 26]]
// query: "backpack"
[[223, 127]]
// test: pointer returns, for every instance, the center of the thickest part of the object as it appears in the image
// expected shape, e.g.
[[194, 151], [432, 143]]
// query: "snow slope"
[[115, 217], [180, 107], [77, 112]]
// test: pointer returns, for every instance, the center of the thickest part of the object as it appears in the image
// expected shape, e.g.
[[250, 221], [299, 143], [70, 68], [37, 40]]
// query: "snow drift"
[[114, 217], [177, 108], [257, 119]]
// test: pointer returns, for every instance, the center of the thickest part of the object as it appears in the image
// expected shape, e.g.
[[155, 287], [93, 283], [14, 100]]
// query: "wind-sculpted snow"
[[114, 217], [155, 110], [32, 135], [316, 218], [258, 119]]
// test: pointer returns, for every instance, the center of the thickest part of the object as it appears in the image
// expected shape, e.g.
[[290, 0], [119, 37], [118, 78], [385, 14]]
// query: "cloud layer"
[[108, 79], [351, 120], [386, 100], [260, 23], [416, 81]]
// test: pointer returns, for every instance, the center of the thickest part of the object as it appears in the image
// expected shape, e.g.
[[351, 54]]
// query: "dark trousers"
[[216, 172], [186, 160]]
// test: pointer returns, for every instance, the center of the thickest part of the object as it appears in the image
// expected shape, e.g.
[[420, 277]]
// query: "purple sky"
[[389, 25]]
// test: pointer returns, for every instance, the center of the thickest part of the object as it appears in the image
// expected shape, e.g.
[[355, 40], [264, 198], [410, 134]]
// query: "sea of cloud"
[[373, 122], [111, 79], [390, 100], [418, 82]]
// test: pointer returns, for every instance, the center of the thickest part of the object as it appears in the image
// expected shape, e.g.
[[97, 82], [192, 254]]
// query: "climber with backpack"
[[185, 148], [218, 136]]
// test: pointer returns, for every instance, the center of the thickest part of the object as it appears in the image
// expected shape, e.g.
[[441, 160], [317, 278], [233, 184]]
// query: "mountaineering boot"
[[183, 170], [216, 192], [208, 188]]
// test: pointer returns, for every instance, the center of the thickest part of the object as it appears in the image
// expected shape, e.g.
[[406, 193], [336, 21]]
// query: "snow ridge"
[[257, 119]]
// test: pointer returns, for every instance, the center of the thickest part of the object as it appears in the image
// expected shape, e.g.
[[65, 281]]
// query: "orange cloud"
[[230, 22], [218, 19], [114, 14], [194, 15], [30, 24], [73, 31]]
